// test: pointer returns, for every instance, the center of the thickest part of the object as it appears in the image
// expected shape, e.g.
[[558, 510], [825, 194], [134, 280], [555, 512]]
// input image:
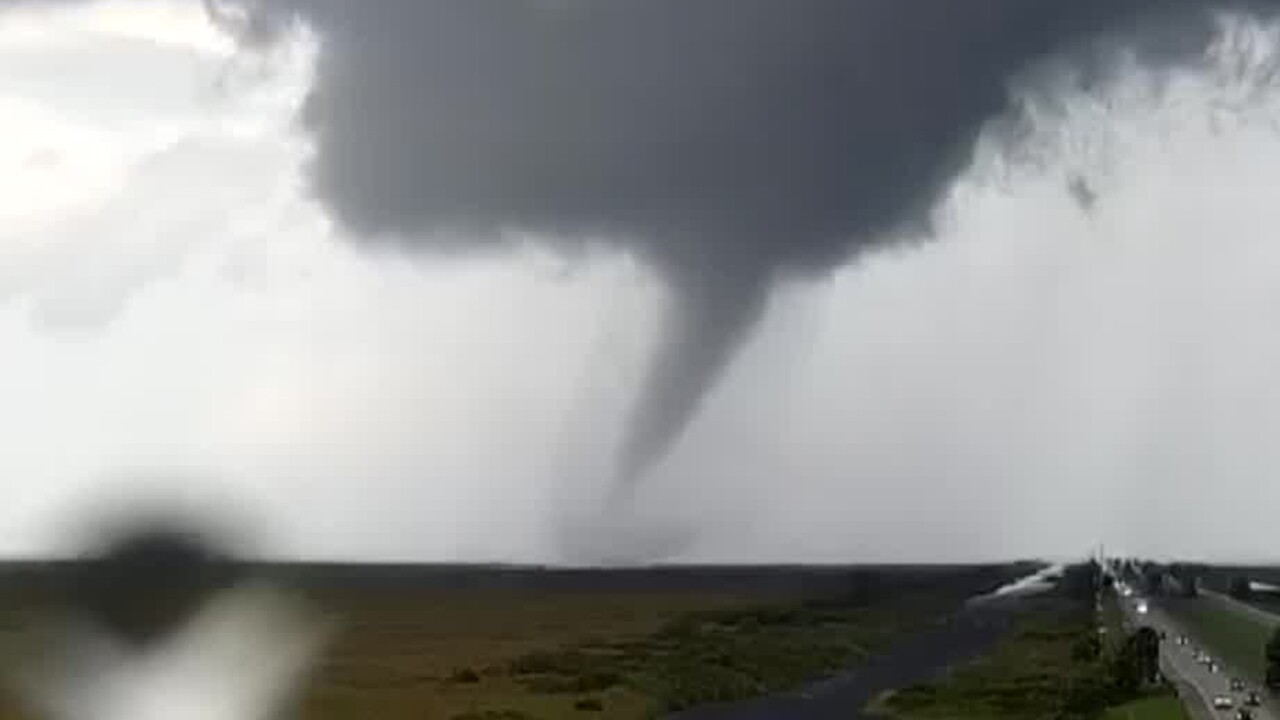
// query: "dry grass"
[[442, 653]]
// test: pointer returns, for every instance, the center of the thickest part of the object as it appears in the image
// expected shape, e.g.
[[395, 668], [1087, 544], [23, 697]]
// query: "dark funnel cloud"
[[702, 331], [725, 142]]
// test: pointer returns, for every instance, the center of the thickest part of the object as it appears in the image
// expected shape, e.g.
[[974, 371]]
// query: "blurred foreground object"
[[161, 625]]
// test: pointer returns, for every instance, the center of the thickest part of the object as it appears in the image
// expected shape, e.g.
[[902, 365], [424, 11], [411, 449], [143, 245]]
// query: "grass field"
[[1159, 707], [1238, 638], [1029, 675], [514, 649], [443, 653]]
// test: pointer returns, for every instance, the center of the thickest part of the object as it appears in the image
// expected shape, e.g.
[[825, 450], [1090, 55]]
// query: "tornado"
[[725, 142], [704, 327]]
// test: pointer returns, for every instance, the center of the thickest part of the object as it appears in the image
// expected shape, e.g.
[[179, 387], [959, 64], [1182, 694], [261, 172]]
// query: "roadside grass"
[[1236, 637], [1165, 706], [1031, 674]]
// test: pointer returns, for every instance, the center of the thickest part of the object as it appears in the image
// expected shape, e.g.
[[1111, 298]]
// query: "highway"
[[1196, 683]]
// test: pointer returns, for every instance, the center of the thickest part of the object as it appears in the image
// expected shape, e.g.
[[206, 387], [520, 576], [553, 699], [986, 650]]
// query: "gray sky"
[[725, 143], [1033, 375]]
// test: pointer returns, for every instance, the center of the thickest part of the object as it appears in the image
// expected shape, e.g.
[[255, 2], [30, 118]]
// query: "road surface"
[[1197, 685]]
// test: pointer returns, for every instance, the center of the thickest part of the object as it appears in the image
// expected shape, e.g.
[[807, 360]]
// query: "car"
[[1213, 667], [1244, 714], [1223, 702], [1252, 699], [1237, 685]]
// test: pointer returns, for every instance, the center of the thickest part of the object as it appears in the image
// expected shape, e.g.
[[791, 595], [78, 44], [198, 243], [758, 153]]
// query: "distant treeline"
[[821, 580]]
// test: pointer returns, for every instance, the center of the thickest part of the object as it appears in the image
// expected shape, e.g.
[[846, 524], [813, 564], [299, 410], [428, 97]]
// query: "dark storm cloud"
[[724, 141]]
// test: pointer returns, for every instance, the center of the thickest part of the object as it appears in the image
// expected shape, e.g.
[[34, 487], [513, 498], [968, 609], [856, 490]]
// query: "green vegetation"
[[1113, 621], [1141, 653], [1053, 665], [1044, 670], [735, 652], [579, 648], [584, 649], [1272, 656], [726, 655], [1164, 706], [1236, 636], [480, 654]]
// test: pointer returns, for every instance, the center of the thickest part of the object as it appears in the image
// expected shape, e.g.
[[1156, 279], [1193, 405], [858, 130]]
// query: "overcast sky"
[[1083, 349]]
